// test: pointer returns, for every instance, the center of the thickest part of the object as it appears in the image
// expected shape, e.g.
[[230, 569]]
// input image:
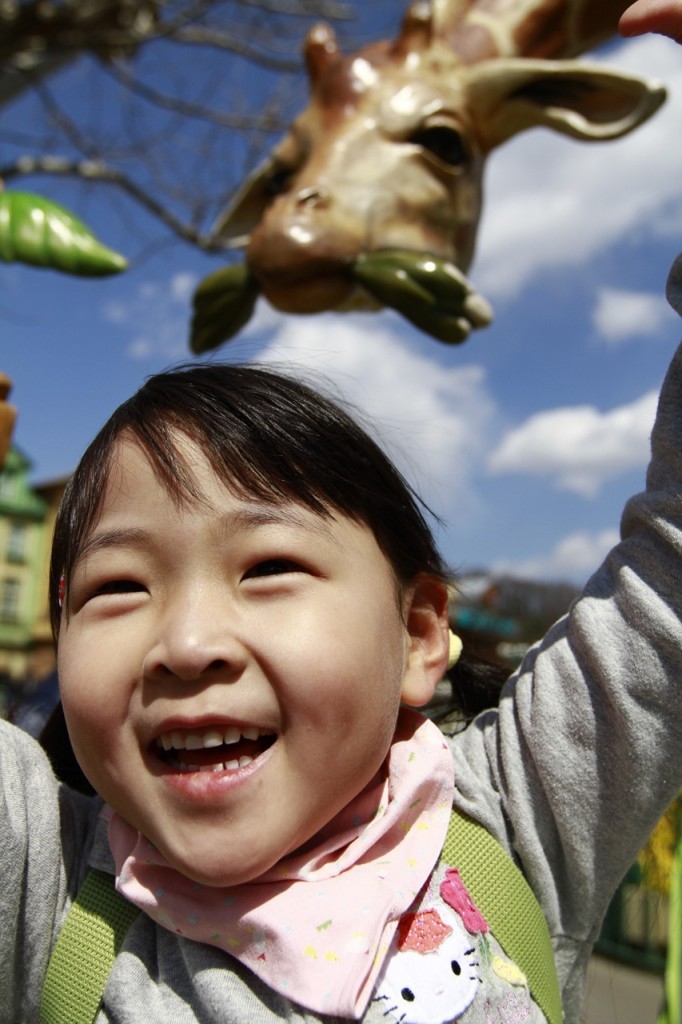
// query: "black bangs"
[[267, 436]]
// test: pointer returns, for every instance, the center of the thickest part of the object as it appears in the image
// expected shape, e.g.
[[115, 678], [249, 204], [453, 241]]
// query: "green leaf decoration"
[[223, 303], [430, 292], [42, 233]]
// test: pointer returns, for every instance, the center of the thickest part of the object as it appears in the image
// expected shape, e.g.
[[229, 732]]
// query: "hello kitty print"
[[444, 967]]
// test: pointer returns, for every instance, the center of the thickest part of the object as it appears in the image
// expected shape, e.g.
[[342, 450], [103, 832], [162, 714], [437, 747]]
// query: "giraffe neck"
[[550, 29]]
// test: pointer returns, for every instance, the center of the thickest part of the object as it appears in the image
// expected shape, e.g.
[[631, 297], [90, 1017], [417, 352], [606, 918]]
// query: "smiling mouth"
[[215, 749]]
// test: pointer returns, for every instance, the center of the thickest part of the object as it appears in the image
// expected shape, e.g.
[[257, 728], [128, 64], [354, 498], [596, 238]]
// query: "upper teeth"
[[212, 737]]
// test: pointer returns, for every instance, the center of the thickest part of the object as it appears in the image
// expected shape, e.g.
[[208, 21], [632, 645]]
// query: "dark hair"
[[267, 436]]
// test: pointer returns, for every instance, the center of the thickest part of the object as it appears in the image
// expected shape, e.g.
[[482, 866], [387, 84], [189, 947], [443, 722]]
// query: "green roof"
[[17, 497]]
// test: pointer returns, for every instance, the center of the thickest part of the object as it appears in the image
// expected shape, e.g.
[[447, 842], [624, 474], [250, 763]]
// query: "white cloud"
[[115, 312], [265, 319], [182, 285], [554, 202], [579, 447], [434, 420], [141, 348], [574, 558], [619, 316], [155, 317]]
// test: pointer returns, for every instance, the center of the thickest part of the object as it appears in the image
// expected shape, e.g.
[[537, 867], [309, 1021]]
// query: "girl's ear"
[[426, 618]]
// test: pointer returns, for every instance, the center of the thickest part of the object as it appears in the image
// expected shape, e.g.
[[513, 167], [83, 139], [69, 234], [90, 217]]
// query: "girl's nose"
[[194, 641]]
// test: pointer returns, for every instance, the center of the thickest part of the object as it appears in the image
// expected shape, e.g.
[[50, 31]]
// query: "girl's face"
[[231, 671]]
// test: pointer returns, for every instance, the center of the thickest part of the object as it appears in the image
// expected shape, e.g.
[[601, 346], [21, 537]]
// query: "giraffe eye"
[[444, 142], [278, 181]]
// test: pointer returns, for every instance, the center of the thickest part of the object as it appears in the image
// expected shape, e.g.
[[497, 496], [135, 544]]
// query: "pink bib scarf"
[[317, 926]]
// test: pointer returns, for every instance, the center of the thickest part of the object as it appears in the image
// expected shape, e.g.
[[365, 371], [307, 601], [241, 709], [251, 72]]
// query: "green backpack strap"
[[505, 899], [99, 919], [85, 951]]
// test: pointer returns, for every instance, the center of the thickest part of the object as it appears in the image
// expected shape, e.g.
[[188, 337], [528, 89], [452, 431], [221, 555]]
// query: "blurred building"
[[43, 660], [498, 617], [27, 514]]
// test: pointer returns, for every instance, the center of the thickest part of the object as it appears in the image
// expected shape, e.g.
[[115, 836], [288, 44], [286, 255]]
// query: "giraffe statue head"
[[373, 197]]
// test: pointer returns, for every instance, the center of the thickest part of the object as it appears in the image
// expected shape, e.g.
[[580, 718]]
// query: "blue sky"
[[526, 440]]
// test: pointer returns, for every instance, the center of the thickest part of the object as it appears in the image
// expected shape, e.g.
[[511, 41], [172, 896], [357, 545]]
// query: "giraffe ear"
[[581, 100], [237, 221]]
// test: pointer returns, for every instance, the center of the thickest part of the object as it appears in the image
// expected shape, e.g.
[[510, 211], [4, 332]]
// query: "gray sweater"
[[570, 774]]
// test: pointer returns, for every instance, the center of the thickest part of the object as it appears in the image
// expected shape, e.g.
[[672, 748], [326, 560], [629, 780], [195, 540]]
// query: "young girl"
[[248, 603]]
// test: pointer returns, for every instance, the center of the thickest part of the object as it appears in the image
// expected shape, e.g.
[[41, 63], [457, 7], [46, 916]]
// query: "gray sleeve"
[[585, 751], [42, 835]]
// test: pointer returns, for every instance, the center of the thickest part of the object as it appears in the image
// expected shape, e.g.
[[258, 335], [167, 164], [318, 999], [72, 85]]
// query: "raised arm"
[[585, 751]]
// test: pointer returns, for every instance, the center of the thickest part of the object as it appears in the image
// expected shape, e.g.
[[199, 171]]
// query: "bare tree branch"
[[264, 122], [95, 171], [211, 37], [107, 27], [61, 119], [303, 8], [149, 98]]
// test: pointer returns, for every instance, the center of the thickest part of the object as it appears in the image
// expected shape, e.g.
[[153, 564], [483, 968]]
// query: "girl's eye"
[[118, 587], [272, 567]]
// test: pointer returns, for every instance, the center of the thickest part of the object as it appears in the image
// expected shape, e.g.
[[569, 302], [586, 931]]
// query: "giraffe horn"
[[320, 50], [416, 29]]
